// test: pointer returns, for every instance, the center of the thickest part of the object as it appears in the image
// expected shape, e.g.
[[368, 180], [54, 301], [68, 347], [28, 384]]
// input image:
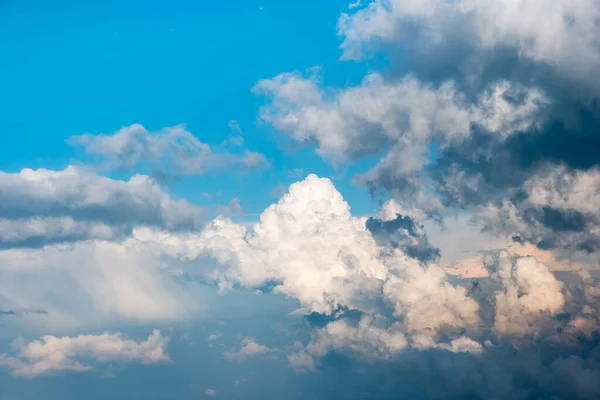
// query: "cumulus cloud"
[[529, 292], [364, 296], [249, 348], [364, 119], [172, 150], [39, 207], [399, 118], [52, 354], [309, 246], [365, 338]]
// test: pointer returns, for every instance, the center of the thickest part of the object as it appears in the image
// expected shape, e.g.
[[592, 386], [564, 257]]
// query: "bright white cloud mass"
[[473, 276], [52, 353]]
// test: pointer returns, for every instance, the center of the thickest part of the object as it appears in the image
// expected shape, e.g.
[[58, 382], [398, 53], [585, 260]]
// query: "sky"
[[300, 199]]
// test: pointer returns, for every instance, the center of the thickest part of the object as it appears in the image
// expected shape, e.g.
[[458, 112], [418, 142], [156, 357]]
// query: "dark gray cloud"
[[405, 234]]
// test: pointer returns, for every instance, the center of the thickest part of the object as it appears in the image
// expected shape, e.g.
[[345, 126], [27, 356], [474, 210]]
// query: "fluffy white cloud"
[[308, 244], [310, 247], [367, 118], [424, 299], [529, 292], [174, 150], [301, 361], [249, 348], [53, 354], [398, 118], [366, 338]]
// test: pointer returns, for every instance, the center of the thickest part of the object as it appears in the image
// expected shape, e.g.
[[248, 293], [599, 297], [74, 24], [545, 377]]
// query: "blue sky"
[[299, 199], [94, 67]]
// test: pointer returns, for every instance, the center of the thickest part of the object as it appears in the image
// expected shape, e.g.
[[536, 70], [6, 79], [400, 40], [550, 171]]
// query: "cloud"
[[355, 4], [40, 207], [399, 119], [478, 32], [402, 232], [171, 151], [233, 209], [554, 211], [249, 348], [312, 227], [52, 354], [484, 107], [366, 298], [235, 126], [69, 243], [529, 292], [301, 361], [310, 247], [92, 282], [210, 392]]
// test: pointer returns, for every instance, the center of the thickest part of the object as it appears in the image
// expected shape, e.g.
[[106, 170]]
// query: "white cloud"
[[529, 292], [302, 361], [310, 247], [363, 119], [459, 345], [53, 354], [210, 392], [308, 243], [173, 150], [366, 338], [398, 118], [249, 348], [425, 300], [355, 4]]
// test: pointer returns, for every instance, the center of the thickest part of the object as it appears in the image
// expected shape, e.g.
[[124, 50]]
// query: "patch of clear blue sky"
[[70, 67]]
